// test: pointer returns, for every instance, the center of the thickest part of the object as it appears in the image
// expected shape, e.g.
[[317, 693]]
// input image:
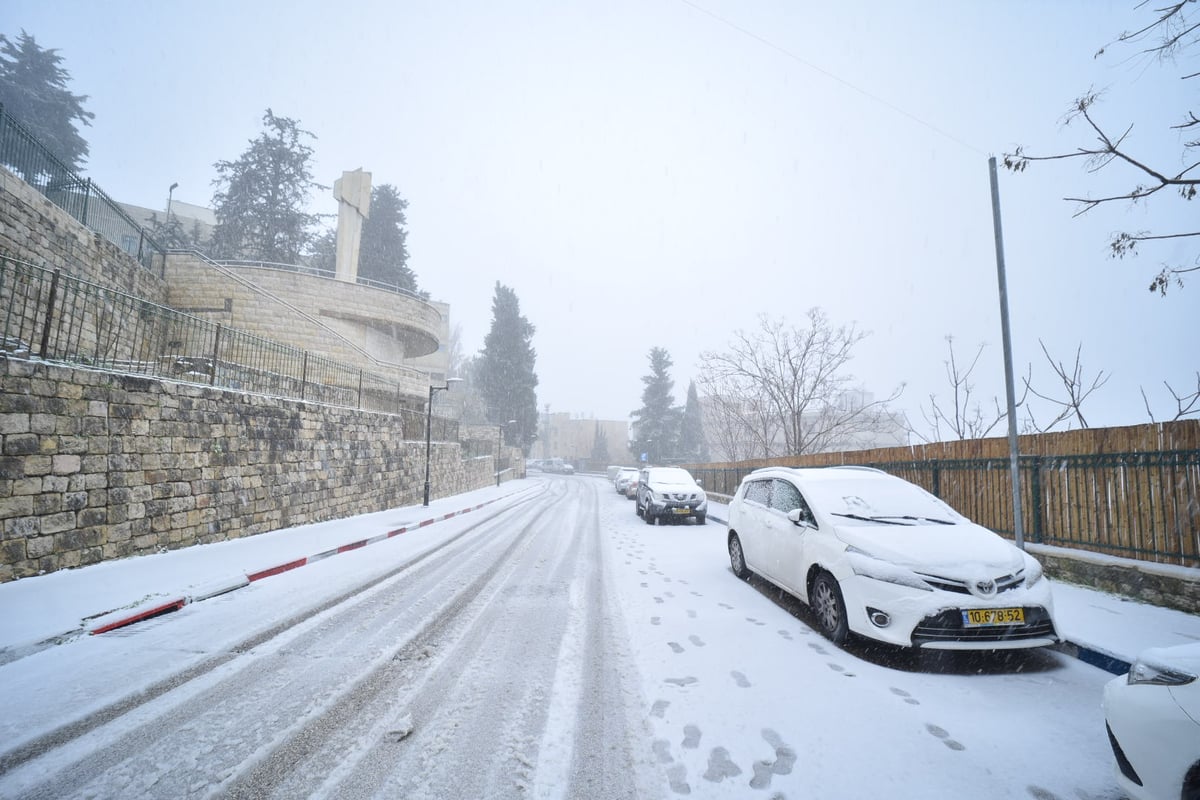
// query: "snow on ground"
[[740, 696]]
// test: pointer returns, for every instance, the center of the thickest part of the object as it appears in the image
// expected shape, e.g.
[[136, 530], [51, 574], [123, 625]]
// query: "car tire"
[[646, 515], [829, 608], [637, 507], [737, 559], [701, 519]]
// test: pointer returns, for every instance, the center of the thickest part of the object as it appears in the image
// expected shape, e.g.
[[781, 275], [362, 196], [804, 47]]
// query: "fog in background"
[[659, 172]]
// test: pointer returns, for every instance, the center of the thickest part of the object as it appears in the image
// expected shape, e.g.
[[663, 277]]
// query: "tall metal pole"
[[428, 432], [1009, 391]]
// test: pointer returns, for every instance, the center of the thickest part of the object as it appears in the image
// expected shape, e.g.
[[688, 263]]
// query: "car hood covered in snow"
[[950, 549]]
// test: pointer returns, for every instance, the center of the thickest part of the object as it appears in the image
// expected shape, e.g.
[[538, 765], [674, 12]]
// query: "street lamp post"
[[170, 193], [429, 429], [500, 443]]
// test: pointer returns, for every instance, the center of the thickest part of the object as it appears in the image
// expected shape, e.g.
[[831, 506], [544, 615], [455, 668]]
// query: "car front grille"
[[1003, 583], [947, 626], [681, 497]]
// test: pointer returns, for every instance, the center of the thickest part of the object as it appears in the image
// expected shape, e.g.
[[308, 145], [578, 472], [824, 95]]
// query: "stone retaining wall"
[[95, 465], [1159, 584], [35, 230]]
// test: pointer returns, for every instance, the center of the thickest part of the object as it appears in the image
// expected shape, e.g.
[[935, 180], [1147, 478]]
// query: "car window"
[[785, 497], [758, 492]]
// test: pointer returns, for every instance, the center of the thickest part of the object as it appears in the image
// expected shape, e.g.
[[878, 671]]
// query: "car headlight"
[[868, 566], [1033, 570], [1144, 672]]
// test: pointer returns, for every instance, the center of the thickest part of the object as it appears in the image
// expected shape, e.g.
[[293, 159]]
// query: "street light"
[[170, 192], [429, 428], [500, 443]]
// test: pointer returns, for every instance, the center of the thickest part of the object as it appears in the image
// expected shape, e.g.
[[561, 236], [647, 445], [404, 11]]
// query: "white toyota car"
[[877, 556], [1153, 719]]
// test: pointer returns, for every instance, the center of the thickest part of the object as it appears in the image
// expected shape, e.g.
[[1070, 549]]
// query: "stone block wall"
[[1157, 584], [35, 230], [96, 465]]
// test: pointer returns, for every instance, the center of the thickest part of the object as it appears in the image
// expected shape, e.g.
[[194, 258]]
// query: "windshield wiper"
[[884, 520], [909, 516]]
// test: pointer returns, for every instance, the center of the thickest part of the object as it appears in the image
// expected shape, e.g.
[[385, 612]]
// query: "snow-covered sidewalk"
[[40, 609]]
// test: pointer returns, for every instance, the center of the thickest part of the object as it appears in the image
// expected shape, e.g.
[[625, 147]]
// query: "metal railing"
[[1138, 505], [29, 159], [317, 272], [56, 317]]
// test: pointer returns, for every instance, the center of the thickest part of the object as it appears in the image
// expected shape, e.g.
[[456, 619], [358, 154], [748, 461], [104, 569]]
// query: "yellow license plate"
[[976, 617], [681, 511]]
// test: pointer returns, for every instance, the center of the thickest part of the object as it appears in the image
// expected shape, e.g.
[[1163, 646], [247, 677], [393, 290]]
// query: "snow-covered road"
[[551, 645]]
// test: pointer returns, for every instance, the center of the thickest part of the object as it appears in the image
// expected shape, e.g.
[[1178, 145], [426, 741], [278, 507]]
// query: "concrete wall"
[[95, 466], [1158, 584]]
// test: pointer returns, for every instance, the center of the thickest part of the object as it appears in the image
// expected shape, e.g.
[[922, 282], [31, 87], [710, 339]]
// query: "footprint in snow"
[[677, 778], [676, 646], [786, 635], [944, 735], [659, 709], [691, 737], [691, 613], [656, 620], [696, 640], [662, 749], [818, 648], [908, 698], [688, 681], [725, 605], [720, 766], [740, 680]]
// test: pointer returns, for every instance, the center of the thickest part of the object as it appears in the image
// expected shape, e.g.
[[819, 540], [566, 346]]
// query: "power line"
[[833, 77]]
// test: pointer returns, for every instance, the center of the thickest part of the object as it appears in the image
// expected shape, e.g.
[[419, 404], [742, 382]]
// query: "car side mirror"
[[801, 518]]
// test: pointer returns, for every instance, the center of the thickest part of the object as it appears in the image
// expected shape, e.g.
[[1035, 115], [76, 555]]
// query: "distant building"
[[573, 438]]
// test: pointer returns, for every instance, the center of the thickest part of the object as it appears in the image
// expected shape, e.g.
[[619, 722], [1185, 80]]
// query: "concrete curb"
[[1097, 657], [111, 621]]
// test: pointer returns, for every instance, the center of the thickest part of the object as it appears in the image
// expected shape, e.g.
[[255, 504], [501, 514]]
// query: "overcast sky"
[[660, 172]]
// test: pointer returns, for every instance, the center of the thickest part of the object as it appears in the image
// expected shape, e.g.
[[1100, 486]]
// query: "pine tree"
[[261, 198], [656, 423], [33, 91], [505, 371], [600, 446], [692, 446], [383, 255]]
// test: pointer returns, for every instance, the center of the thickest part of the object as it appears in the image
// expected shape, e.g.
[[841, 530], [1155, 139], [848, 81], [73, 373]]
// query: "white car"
[[1153, 719], [877, 556], [624, 477], [665, 493]]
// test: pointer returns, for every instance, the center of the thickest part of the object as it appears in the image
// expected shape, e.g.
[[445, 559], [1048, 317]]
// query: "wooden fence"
[[1131, 491]]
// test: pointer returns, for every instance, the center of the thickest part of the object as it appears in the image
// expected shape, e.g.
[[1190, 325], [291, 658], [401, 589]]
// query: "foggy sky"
[[645, 174]]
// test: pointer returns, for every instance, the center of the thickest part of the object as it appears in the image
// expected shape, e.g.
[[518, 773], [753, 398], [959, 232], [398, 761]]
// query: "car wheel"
[[637, 507], [701, 519], [646, 515], [737, 559], [825, 600]]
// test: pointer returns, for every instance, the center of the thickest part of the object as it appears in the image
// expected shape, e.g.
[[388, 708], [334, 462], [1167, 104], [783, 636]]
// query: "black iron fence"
[[57, 317], [79, 197], [1138, 505]]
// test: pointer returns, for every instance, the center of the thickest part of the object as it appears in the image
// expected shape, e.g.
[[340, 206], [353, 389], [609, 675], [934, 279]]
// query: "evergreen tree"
[[600, 446], [656, 423], [505, 372], [322, 251], [692, 446], [33, 91], [261, 197], [383, 255]]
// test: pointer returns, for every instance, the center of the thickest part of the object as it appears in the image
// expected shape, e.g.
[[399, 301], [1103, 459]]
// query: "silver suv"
[[669, 493]]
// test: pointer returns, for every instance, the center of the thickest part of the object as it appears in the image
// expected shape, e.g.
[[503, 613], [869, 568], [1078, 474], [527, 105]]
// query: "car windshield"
[[671, 475], [888, 502]]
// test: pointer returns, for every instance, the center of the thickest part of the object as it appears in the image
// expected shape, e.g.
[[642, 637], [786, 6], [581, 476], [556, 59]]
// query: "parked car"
[[1153, 720], [669, 493], [877, 556], [624, 477]]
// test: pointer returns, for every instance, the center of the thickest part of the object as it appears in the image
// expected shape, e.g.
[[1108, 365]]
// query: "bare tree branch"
[[1073, 383], [1171, 31]]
